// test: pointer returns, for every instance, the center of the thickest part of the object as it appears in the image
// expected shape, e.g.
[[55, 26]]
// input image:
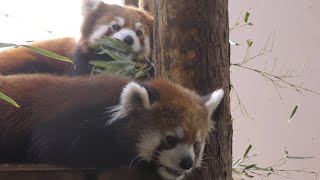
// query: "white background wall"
[[296, 24], [30, 20]]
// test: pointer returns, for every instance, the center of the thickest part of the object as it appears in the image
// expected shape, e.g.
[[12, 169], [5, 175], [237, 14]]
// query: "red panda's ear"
[[89, 6], [214, 100], [133, 97]]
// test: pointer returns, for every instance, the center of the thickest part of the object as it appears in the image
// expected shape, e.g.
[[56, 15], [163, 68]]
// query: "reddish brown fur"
[[43, 96], [22, 60], [192, 115]]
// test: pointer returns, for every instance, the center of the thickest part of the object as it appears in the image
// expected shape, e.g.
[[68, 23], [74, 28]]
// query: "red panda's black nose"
[[186, 163], [129, 40]]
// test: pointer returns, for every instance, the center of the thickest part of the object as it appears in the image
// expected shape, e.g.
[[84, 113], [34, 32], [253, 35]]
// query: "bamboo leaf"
[[237, 163], [250, 166], [115, 55], [111, 43], [247, 151], [249, 43], [246, 17], [3, 45], [101, 63], [293, 113], [48, 53], [9, 100]]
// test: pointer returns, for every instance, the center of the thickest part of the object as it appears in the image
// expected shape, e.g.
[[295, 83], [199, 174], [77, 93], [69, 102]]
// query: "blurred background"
[[294, 30]]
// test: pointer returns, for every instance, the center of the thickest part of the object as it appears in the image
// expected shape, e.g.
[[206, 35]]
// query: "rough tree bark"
[[191, 47], [131, 2], [147, 5]]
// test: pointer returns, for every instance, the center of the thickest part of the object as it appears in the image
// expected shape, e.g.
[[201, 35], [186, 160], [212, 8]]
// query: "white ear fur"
[[129, 92], [214, 100], [132, 89], [89, 6]]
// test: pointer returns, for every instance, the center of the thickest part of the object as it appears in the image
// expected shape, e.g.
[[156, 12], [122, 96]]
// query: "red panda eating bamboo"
[[128, 24]]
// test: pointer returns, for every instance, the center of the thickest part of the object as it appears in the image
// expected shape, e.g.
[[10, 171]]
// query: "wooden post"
[[191, 47]]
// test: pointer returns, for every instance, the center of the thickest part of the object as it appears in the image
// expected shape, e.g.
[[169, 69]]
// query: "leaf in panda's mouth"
[[119, 60], [110, 43]]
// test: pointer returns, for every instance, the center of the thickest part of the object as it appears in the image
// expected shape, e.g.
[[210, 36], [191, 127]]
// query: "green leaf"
[[249, 176], [48, 53], [9, 100], [111, 43], [115, 55], [246, 17], [247, 151], [120, 67], [101, 63], [249, 43], [3, 45], [250, 166], [237, 163], [293, 113]]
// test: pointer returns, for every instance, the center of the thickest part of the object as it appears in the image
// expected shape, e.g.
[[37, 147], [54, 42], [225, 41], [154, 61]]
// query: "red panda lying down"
[[101, 121]]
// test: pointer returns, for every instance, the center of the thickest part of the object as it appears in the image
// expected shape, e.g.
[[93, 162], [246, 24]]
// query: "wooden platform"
[[40, 172], [49, 172]]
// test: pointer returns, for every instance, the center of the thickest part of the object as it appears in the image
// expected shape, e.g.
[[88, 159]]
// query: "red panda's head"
[[129, 24], [173, 124]]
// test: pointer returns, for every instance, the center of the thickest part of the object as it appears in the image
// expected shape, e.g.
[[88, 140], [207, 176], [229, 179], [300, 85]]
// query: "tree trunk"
[[147, 5], [191, 47], [131, 2]]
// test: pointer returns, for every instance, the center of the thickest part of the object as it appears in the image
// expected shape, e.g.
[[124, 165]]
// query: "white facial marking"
[[126, 101], [171, 159], [149, 141], [124, 32], [146, 41], [197, 162], [120, 20], [101, 30], [147, 48], [138, 25], [214, 100], [180, 133]]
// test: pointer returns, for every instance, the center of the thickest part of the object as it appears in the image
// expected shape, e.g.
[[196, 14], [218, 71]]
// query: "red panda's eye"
[[171, 140], [139, 33], [116, 27]]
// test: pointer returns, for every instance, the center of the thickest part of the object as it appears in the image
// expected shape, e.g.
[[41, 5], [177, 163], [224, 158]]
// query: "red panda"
[[102, 121], [21, 60], [129, 24]]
